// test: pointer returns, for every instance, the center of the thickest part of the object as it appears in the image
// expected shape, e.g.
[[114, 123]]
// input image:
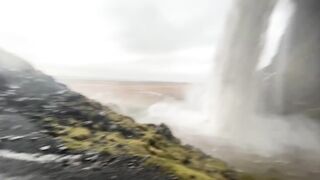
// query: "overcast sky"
[[122, 39]]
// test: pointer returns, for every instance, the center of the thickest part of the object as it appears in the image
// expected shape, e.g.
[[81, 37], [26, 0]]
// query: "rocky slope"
[[84, 138]]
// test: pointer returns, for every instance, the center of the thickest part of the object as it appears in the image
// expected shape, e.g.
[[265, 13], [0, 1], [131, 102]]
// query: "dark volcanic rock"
[[55, 120], [31, 102], [165, 131]]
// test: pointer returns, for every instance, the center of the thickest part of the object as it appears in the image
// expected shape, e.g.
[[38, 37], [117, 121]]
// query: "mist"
[[264, 133], [228, 112], [110, 40], [226, 77]]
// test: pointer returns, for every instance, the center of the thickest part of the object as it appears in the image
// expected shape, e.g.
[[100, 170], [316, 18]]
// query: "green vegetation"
[[114, 134], [79, 133]]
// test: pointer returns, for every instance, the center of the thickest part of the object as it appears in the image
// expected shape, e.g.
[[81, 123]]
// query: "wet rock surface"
[[53, 171], [19, 134], [27, 138], [41, 118], [25, 100]]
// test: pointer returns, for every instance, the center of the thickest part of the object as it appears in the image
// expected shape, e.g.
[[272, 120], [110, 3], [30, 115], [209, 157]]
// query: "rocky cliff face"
[[297, 63], [87, 139]]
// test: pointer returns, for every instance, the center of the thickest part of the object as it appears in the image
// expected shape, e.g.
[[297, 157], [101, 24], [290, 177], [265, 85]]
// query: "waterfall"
[[297, 63], [235, 84], [247, 85], [238, 107]]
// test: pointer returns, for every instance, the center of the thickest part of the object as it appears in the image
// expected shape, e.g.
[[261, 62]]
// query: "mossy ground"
[[157, 149]]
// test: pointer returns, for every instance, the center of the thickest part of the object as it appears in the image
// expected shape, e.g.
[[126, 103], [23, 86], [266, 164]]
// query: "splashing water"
[[233, 107], [239, 109]]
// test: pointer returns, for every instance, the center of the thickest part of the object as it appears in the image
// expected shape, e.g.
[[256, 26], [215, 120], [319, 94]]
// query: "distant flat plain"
[[130, 94]]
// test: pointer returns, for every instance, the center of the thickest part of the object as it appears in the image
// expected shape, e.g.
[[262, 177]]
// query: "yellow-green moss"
[[79, 133], [76, 145], [185, 162], [182, 171], [165, 154]]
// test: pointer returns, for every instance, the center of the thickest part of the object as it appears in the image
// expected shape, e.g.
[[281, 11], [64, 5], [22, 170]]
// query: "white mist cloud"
[[63, 37]]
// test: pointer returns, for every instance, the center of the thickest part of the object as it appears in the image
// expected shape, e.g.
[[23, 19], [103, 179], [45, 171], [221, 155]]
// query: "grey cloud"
[[147, 29]]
